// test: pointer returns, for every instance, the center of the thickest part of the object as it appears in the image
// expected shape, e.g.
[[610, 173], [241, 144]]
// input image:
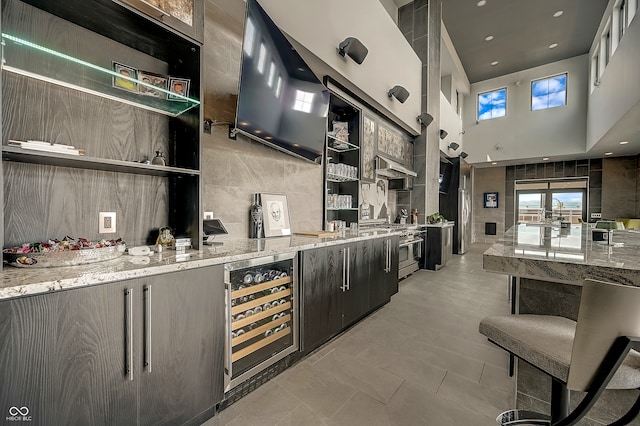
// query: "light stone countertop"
[[17, 282], [567, 255]]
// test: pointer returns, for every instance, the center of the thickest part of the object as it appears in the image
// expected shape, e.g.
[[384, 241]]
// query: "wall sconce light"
[[453, 146], [443, 133], [399, 92], [424, 119], [352, 47], [463, 155]]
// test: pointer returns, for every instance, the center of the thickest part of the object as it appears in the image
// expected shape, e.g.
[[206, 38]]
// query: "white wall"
[[452, 123], [391, 8], [525, 134], [619, 88], [319, 26]]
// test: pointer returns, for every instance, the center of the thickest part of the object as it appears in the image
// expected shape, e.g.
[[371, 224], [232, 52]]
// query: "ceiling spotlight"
[[481, 3], [553, 45], [488, 38], [608, 153], [443, 133], [545, 158], [558, 13], [453, 146], [494, 163], [399, 92], [352, 47], [494, 63], [424, 119], [624, 142], [463, 155]]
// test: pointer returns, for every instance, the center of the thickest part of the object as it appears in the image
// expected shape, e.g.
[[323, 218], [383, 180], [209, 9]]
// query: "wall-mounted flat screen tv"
[[281, 102]]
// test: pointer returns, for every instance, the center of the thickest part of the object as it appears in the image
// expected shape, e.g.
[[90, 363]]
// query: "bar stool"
[[595, 353]]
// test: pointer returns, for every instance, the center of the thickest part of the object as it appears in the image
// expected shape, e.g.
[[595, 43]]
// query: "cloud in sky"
[[492, 104]]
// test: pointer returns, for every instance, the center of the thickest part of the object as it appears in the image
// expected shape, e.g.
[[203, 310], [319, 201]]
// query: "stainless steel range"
[[410, 251]]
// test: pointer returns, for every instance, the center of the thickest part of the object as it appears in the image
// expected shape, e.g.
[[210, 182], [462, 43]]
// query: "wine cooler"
[[262, 315]]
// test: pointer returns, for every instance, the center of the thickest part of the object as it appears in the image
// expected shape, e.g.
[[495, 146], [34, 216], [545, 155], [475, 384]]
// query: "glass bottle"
[[255, 219], [159, 159]]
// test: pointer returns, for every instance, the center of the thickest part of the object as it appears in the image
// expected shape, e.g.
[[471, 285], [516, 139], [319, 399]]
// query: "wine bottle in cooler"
[[255, 219]]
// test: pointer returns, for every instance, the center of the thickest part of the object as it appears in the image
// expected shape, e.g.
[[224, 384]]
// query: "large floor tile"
[[475, 396], [361, 410]]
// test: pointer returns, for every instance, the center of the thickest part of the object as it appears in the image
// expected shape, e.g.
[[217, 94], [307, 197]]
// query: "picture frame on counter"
[[276, 215], [490, 200]]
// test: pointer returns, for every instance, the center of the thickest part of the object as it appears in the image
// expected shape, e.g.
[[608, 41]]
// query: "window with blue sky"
[[549, 92], [492, 104]]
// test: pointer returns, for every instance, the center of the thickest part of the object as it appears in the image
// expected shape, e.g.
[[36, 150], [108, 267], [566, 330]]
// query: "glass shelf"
[[35, 61], [338, 178], [339, 145], [12, 153]]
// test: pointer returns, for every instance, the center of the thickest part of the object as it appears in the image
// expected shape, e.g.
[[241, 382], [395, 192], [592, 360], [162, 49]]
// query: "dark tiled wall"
[[420, 21]]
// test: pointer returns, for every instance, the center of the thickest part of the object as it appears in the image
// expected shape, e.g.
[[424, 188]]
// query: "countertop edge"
[[20, 282]]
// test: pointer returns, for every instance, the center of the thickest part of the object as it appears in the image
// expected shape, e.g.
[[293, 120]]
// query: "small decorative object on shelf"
[[179, 88], [150, 83], [165, 237], [159, 159], [127, 77]]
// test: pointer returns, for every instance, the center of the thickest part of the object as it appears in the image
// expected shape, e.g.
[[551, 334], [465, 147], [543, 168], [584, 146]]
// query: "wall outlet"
[[596, 215], [208, 215], [107, 222]]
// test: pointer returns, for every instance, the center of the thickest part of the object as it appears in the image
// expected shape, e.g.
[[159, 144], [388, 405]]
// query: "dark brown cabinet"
[[341, 284], [321, 288], [147, 351], [384, 271]]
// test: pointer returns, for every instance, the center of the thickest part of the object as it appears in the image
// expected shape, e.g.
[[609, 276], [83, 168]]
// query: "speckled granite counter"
[[565, 255], [18, 282]]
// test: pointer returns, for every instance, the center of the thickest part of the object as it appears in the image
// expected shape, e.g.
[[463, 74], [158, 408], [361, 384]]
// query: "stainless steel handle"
[[128, 321], [389, 254], [147, 327], [348, 268], [344, 270]]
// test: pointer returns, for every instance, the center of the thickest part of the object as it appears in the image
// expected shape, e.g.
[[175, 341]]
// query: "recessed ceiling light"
[[624, 142], [608, 153], [545, 158], [482, 3], [558, 13], [488, 38], [553, 45], [494, 63], [494, 163]]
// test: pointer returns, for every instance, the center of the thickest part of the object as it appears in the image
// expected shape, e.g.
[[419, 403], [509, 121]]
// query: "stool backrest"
[[606, 312]]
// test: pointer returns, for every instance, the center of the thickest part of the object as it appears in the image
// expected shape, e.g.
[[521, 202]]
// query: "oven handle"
[[408, 243]]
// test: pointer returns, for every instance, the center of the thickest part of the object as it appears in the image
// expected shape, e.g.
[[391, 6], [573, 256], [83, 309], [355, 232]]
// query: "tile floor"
[[419, 360]]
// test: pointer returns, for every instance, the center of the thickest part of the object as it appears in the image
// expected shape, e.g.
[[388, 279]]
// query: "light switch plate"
[[107, 222]]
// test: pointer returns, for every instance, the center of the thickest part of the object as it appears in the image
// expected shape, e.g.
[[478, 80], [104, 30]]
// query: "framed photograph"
[[126, 78], [149, 81], [179, 86], [368, 150], [490, 200], [276, 215]]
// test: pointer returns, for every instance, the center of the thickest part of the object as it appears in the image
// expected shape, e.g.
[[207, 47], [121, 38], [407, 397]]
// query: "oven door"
[[409, 257]]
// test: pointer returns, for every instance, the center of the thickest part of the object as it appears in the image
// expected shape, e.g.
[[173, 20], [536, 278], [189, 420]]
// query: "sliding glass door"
[[565, 200]]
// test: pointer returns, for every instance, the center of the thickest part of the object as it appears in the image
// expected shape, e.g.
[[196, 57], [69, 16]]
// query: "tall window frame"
[[492, 104], [549, 92]]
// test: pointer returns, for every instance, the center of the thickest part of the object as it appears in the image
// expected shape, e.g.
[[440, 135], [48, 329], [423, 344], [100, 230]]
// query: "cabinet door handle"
[[344, 269], [348, 268], [389, 255], [147, 327], [128, 321]]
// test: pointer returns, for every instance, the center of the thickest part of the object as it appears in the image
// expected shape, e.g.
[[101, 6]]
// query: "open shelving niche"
[[345, 152], [133, 30]]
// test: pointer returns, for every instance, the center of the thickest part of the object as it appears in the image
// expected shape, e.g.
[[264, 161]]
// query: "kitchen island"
[[546, 265]]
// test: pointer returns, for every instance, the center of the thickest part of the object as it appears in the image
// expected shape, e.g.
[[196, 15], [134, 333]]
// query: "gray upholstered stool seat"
[[600, 351], [546, 342]]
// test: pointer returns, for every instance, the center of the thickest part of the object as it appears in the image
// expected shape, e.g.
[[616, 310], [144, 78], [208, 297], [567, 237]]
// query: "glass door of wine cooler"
[[262, 315]]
